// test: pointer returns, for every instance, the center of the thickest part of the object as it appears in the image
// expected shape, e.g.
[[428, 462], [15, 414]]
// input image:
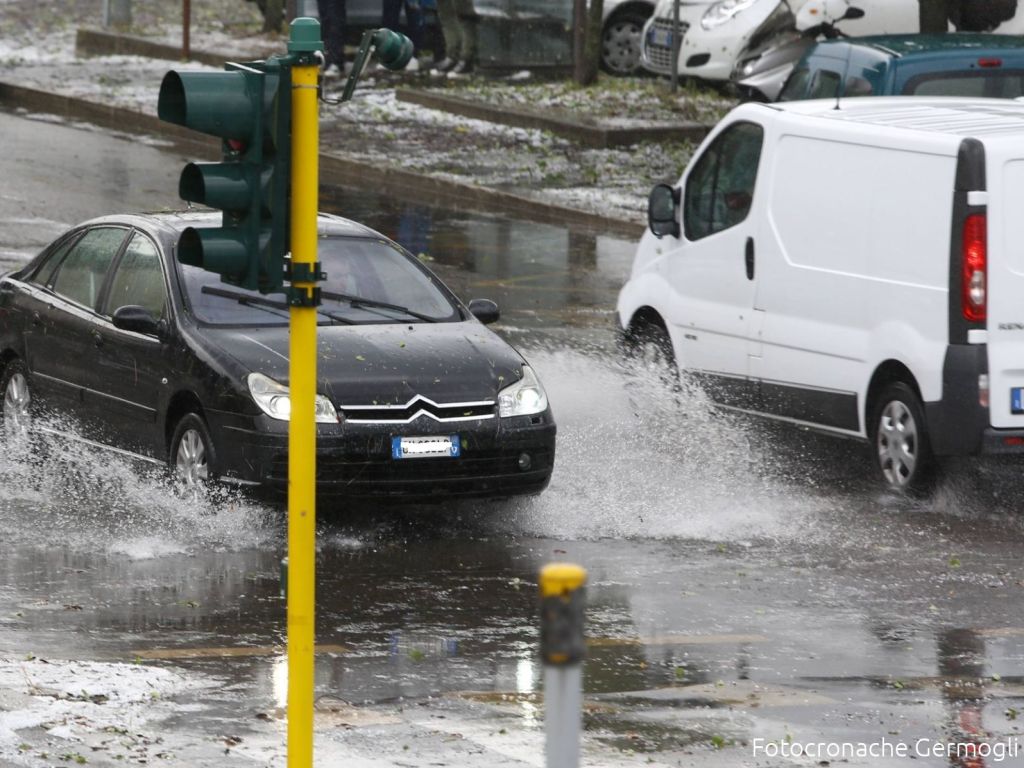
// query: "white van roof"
[[952, 116]]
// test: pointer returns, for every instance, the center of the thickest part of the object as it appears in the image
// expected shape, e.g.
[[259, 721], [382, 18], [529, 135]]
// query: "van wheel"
[[900, 439], [650, 347], [16, 412], [192, 456]]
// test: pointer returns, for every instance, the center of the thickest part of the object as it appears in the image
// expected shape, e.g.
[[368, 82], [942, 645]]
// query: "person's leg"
[[332, 16], [391, 11], [468, 22], [414, 23], [450, 27]]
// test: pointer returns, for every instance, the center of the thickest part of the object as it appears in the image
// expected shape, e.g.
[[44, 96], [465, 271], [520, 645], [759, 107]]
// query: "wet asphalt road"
[[746, 582]]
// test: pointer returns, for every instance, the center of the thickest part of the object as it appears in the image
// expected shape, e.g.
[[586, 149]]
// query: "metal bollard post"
[[562, 649]]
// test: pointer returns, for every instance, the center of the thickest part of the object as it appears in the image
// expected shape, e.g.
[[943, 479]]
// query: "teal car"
[[955, 64]]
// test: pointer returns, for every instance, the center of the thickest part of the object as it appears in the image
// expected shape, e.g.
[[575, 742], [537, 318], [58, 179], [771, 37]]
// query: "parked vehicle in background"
[[622, 34], [853, 270], [416, 398], [990, 66], [716, 36]]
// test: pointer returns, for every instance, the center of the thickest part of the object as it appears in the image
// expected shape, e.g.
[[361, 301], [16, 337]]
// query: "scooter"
[[762, 70]]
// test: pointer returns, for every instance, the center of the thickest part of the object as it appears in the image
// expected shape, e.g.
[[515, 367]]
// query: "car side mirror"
[[484, 310], [853, 13], [663, 211], [136, 319]]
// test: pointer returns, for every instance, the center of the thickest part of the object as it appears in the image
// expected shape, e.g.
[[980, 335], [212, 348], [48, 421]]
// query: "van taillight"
[[990, 63], [974, 264]]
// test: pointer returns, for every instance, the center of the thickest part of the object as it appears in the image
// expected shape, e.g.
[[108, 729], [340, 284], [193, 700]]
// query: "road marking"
[[209, 653]]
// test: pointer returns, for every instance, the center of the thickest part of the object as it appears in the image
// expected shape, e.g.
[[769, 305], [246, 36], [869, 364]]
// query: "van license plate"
[[1017, 400], [435, 446]]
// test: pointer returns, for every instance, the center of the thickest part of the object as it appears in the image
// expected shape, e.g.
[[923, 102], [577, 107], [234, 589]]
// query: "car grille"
[[660, 56], [414, 409]]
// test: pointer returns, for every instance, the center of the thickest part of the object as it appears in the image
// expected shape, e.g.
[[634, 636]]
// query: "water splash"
[[71, 494]]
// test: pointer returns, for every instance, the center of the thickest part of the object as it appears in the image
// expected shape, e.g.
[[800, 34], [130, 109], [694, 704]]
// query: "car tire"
[[621, 40], [16, 405], [192, 458], [899, 440]]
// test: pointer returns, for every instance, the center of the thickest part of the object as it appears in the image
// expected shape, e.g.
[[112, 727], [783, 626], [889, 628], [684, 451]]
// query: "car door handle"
[[750, 258], [97, 339]]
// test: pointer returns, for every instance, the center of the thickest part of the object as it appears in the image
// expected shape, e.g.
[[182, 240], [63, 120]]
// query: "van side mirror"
[[853, 13], [136, 319], [663, 211], [484, 310]]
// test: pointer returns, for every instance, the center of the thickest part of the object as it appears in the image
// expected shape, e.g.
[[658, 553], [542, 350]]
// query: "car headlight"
[[523, 398], [275, 400], [723, 11]]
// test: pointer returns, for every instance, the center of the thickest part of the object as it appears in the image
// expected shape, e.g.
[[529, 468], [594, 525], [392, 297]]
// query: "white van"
[[855, 267]]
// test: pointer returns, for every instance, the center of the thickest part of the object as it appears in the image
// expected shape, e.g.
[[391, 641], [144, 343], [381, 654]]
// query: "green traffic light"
[[249, 107], [394, 50]]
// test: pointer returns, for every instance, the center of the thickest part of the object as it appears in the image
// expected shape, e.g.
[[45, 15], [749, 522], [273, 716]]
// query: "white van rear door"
[[1005, 288]]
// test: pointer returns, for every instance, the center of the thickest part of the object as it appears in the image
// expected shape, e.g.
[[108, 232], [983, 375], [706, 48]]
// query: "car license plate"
[[435, 446], [660, 37], [1017, 400]]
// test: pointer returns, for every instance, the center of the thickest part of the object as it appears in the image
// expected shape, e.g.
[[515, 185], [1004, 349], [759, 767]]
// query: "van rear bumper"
[[1003, 441], [958, 423]]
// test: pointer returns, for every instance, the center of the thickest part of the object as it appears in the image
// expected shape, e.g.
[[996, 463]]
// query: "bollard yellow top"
[[561, 578]]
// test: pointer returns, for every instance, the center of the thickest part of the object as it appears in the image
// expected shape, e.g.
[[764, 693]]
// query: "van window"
[[825, 85], [720, 188]]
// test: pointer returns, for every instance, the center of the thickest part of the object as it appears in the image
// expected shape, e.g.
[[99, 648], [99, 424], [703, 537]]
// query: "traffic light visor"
[[223, 104]]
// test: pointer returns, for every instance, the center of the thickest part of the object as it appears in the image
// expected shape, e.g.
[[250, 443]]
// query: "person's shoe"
[[445, 65], [463, 69], [332, 71], [413, 65]]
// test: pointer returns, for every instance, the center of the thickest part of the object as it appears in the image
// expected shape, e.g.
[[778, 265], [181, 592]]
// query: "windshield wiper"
[[261, 303], [359, 301]]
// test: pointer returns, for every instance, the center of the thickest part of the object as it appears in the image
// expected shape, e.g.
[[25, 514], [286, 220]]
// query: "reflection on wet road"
[[746, 582]]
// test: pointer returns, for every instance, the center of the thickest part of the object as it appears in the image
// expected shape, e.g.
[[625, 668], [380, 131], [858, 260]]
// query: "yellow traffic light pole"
[[305, 143]]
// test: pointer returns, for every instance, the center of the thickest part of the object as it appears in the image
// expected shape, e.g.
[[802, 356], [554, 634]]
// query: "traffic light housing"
[[248, 106]]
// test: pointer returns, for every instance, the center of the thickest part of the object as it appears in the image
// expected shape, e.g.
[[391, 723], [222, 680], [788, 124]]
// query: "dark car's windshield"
[[368, 281], [995, 84]]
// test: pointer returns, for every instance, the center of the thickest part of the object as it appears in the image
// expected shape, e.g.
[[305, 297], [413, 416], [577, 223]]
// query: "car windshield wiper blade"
[[359, 301], [268, 304], [245, 298]]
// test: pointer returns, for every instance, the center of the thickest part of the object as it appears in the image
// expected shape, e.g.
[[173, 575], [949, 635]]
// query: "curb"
[[95, 42], [336, 169], [589, 132]]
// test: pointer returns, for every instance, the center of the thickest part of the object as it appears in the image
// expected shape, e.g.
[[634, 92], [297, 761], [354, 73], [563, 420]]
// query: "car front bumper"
[[355, 461]]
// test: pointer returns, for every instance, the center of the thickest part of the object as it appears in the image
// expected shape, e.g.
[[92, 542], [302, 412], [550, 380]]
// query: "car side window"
[[796, 86], [138, 279], [80, 276], [857, 86], [44, 272], [825, 85], [720, 188]]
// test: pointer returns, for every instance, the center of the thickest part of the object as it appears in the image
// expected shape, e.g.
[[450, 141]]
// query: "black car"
[[416, 398]]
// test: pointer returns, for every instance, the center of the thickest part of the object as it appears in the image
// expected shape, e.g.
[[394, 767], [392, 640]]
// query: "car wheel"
[[900, 440], [16, 413], [192, 457], [620, 44]]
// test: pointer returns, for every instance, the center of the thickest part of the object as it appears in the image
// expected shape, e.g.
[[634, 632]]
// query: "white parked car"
[[854, 270], [716, 34]]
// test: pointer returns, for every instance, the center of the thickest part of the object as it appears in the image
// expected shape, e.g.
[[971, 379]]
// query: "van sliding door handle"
[[750, 258]]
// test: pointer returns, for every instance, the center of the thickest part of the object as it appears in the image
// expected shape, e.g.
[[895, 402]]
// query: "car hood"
[[386, 364]]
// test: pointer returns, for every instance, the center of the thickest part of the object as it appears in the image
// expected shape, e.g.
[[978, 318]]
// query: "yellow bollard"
[[305, 145], [562, 648]]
